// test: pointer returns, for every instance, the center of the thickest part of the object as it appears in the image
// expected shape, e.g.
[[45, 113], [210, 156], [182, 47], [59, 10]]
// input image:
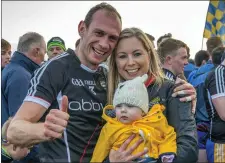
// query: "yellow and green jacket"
[[153, 128]]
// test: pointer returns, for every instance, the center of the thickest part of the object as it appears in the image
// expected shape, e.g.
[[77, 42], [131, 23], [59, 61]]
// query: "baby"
[[134, 117]]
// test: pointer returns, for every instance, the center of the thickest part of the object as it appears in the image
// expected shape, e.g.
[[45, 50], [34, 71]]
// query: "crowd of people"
[[116, 97]]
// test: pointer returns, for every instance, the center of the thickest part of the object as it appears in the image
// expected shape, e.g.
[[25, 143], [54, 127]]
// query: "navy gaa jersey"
[[215, 87], [169, 75], [65, 75]]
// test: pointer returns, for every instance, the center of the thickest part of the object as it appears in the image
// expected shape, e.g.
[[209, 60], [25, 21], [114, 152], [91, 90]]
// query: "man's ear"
[[168, 59], [203, 62], [81, 28], [36, 52]]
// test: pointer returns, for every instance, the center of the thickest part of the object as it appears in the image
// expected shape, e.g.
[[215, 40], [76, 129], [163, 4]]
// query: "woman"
[[135, 56]]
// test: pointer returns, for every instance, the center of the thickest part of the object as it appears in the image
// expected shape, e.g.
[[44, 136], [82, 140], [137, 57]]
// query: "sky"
[[184, 19]]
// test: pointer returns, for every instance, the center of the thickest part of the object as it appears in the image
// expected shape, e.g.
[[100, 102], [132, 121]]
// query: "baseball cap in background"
[[56, 41]]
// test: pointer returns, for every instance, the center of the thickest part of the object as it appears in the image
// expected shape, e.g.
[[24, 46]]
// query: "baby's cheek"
[[136, 116], [117, 113]]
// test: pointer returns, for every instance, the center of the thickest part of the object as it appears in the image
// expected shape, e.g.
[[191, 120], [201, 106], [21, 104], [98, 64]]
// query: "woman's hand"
[[185, 88], [123, 154]]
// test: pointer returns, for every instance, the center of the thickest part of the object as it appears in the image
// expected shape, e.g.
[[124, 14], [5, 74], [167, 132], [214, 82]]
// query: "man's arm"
[[9, 150], [219, 104], [45, 87], [23, 131]]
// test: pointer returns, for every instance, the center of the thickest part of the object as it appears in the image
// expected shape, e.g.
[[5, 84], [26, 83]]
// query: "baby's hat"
[[132, 92]]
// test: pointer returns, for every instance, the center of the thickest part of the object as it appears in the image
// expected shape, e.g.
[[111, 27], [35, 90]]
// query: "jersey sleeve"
[[46, 83], [216, 83]]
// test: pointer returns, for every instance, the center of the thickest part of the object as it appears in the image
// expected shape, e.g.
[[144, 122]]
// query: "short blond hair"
[[154, 69]]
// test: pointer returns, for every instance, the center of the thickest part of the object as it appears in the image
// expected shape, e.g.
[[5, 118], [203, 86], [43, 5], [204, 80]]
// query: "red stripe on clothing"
[[84, 152], [149, 81]]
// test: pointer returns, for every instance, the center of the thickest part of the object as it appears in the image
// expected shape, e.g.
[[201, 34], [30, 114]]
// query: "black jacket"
[[179, 116]]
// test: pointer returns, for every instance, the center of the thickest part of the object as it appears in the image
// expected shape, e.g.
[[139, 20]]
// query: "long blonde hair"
[[154, 69]]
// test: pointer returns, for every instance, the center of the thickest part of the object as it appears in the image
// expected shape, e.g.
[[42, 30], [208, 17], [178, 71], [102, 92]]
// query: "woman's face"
[[132, 59], [5, 56]]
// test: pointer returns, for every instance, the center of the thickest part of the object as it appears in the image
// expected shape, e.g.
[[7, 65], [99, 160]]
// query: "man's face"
[[179, 60], [41, 55], [99, 39], [54, 51], [5, 56]]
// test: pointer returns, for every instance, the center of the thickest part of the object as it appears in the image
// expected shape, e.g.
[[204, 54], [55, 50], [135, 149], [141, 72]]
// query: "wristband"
[[5, 153]]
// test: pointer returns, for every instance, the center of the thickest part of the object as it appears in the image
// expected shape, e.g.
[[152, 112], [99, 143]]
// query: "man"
[[163, 38], [77, 43], [201, 58], [99, 33], [190, 66], [214, 94], [70, 74], [55, 46], [5, 53], [16, 76], [197, 80], [191, 61], [151, 38], [199, 77], [173, 55]]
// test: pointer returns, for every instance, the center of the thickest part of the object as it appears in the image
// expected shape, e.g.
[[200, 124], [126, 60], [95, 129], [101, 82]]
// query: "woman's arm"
[[179, 116]]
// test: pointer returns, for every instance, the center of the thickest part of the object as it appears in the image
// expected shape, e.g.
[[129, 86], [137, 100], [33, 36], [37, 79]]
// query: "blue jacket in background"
[[16, 78], [191, 75], [188, 69], [197, 79]]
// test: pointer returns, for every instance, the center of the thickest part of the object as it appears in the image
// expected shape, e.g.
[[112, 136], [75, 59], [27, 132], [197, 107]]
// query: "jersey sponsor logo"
[[85, 105], [77, 82], [89, 82]]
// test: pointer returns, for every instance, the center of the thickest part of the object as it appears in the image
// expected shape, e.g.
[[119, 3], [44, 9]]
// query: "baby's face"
[[127, 114]]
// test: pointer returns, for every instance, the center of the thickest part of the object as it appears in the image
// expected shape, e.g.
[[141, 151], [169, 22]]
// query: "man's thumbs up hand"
[[64, 104], [57, 120]]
